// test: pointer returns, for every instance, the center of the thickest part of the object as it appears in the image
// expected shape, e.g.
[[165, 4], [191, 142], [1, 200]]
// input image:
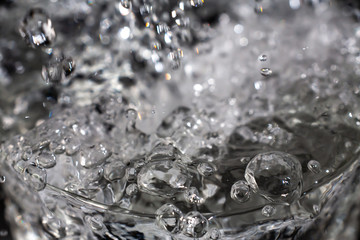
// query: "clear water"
[[176, 119]]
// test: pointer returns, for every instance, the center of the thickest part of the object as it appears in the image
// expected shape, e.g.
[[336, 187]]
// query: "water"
[[143, 120]]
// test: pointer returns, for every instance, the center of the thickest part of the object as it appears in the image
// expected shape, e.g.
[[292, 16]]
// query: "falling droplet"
[[240, 191], [36, 28], [168, 217], [266, 72], [268, 211], [262, 58], [194, 225], [314, 166]]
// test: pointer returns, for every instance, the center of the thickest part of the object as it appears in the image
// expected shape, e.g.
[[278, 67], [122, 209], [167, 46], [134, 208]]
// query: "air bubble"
[[114, 170], [194, 225], [125, 3], [2, 179], [35, 177], [205, 169], [240, 191], [164, 178], [169, 217], [132, 189], [314, 166], [46, 159], [26, 153], [192, 195], [95, 222], [196, 3], [276, 176], [262, 58], [94, 156], [268, 211], [131, 114], [214, 234], [36, 28], [266, 72]]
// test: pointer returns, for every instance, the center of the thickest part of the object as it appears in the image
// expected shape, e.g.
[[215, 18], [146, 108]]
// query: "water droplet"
[[275, 176], [268, 211], [163, 178], [35, 177], [46, 159], [168, 217], [27, 153], [262, 58], [266, 72], [132, 189], [205, 169], [36, 28], [314, 166], [196, 3], [2, 179], [195, 224], [192, 195], [240, 191]]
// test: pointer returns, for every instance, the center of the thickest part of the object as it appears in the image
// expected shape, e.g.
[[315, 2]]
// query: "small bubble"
[[125, 3], [267, 72], [192, 195], [46, 159], [35, 177], [195, 225], [240, 191], [131, 114], [132, 189], [314, 166], [205, 169], [268, 211], [27, 153], [262, 58], [168, 217], [2, 179], [197, 3], [96, 222], [68, 66], [214, 234]]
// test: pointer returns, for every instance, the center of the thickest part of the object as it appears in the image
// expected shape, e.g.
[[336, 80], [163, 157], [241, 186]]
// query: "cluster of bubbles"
[[189, 153]]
